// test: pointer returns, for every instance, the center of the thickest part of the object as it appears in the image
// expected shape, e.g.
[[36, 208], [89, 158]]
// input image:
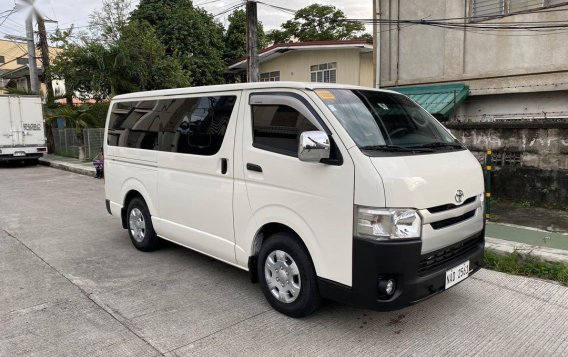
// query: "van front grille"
[[449, 206], [431, 261], [454, 220]]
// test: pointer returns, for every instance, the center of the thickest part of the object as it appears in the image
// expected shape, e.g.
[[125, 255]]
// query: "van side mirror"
[[314, 146]]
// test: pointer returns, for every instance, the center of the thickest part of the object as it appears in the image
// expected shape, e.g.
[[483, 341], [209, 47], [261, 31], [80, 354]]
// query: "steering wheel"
[[398, 131]]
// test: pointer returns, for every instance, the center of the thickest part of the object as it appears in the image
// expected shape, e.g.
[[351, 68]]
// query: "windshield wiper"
[[439, 144], [393, 148]]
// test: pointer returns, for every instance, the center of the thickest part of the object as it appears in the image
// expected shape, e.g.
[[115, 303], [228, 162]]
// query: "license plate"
[[19, 153], [457, 274]]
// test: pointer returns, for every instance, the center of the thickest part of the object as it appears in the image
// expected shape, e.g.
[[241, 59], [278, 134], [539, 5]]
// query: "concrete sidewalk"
[[501, 237], [68, 164]]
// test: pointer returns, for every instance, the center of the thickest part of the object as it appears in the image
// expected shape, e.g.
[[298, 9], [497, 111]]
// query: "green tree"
[[108, 22], [317, 23], [189, 34], [137, 61], [277, 36], [143, 63], [236, 36]]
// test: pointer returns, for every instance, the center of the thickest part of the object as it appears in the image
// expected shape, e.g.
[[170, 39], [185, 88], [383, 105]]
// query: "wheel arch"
[[131, 190], [265, 232]]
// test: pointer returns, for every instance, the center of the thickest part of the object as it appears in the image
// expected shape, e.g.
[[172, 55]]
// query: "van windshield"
[[379, 121]]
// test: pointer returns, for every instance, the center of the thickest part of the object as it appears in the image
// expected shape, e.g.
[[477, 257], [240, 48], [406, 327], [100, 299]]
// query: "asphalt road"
[[71, 284]]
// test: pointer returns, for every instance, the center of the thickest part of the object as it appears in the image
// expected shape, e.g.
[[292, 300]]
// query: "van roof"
[[241, 86]]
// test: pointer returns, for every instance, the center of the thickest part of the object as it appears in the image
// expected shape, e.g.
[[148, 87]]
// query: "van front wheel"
[[287, 276], [139, 224]]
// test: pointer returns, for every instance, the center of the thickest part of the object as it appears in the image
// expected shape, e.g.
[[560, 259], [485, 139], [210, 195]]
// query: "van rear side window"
[[277, 128], [185, 125]]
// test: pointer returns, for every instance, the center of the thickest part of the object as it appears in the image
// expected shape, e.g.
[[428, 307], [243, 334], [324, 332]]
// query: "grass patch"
[[526, 265]]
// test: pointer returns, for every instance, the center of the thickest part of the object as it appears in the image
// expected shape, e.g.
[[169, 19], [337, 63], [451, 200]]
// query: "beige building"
[[345, 62], [14, 70]]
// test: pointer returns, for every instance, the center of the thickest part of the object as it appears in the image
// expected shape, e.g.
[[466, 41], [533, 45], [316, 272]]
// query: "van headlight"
[[385, 223]]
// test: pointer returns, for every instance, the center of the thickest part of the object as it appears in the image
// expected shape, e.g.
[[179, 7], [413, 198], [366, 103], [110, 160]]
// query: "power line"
[[15, 59], [544, 27], [207, 2], [290, 11], [231, 8], [7, 16]]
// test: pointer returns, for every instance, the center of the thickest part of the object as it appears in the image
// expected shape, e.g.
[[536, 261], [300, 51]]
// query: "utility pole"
[[252, 42], [376, 44], [34, 80], [44, 46]]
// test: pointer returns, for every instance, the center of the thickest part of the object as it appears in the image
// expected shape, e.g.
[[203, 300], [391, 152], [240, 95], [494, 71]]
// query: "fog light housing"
[[387, 287]]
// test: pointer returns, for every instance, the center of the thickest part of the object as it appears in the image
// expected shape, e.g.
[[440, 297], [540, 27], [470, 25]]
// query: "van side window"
[[134, 125], [195, 125], [277, 128], [184, 125]]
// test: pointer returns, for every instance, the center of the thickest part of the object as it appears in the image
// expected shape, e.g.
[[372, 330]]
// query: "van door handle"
[[254, 167], [224, 166]]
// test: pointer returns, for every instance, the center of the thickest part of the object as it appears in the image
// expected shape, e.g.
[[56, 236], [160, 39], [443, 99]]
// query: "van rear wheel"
[[139, 225], [287, 276]]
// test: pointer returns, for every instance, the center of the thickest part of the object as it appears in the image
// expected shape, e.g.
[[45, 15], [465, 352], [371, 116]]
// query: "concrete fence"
[[530, 158], [66, 142]]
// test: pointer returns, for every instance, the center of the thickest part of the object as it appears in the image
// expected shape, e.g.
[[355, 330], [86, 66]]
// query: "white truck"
[[22, 135]]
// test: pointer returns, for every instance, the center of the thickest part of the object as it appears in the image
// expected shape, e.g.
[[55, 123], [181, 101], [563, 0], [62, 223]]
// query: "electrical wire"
[[543, 27], [207, 2], [8, 15], [231, 8], [13, 60]]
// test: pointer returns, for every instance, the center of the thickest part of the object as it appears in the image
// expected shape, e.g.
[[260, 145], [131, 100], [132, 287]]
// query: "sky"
[[68, 12]]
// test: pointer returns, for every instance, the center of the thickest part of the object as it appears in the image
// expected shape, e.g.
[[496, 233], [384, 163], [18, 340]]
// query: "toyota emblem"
[[459, 196]]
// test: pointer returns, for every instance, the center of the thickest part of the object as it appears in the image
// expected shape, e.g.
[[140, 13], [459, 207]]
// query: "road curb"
[[67, 167], [501, 246]]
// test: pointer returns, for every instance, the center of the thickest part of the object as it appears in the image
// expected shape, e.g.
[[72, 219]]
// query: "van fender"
[[284, 216], [132, 184]]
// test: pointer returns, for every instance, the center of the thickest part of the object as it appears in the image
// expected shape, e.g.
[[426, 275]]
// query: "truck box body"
[[22, 135]]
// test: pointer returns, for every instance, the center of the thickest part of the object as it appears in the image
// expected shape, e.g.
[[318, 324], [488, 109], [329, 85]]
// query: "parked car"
[[317, 190]]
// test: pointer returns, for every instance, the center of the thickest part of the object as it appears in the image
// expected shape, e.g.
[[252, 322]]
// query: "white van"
[[319, 191]]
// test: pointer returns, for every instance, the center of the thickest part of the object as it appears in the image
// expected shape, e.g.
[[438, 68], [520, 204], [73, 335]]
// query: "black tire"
[[308, 299], [150, 240]]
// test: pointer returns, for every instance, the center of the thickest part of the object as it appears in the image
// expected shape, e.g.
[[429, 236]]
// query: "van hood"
[[424, 181]]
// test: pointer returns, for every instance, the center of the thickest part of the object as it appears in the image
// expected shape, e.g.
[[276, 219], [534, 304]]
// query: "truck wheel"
[[139, 225], [287, 276]]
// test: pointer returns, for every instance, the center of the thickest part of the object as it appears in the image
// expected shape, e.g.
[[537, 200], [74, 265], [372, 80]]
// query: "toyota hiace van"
[[317, 190]]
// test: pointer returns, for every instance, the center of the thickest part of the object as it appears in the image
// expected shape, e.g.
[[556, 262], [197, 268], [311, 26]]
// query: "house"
[[14, 70], [345, 62], [502, 90]]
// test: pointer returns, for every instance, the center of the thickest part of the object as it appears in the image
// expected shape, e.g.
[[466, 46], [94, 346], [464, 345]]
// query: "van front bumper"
[[417, 276]]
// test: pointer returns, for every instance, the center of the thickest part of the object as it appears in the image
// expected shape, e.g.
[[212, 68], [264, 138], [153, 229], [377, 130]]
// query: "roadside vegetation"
[[526, 265]]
